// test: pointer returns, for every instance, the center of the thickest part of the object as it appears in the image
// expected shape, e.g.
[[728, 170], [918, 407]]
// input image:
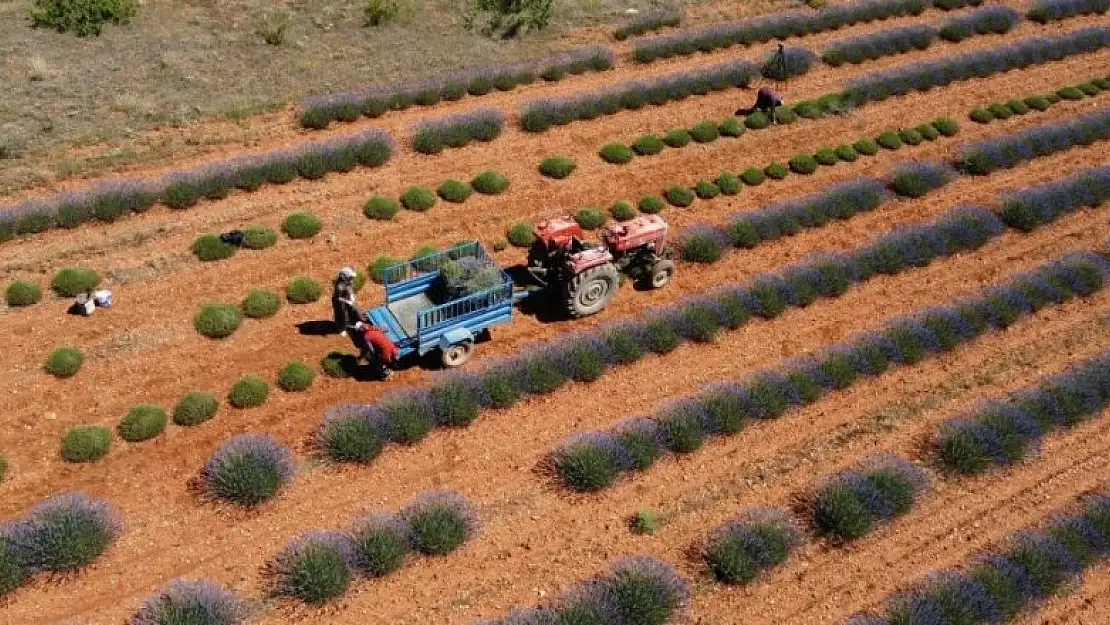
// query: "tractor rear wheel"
[[457, 354], [661, 274], [591, 291]]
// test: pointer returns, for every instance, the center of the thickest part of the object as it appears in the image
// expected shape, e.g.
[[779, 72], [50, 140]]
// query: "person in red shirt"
[[374, 347]]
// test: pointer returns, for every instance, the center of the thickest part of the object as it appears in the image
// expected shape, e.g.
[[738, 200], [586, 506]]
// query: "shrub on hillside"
[[380, 208], [217, 321], [22, 293], [186, 602], [83, 18], [439, 522], [85, 443], [731, 127], [315, 567], [68, 532], [195, 408], [776, 171], [729, 183], [679, 196], [622, 211], [703, 244], [352, 433], [209, 247], [803, 164], [142, 423], [590, 218], [456, 131], [889, 140], [1030, 207], [248, 470], [647, 591], [827, 157], [648, 145], [616, 153], [650, 204], [301, 225], [260, 304], [296, 377], [64, 362], [73, 281], [521, 234], [303, 290], [557, 167], [454, 191], [757, 540], [250, 391], [706, 190], [590, 462], [259, 238], [704, 132], [490, 183], [418, 198], [1044, 11]]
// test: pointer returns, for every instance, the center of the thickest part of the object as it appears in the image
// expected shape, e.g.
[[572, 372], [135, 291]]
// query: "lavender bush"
[[540, 115], [65, 533], [917, 178], [249, 469], [766, 28], [852, 502], [882, 84], [186, 602], [756, 540], [315, 567], [794, 61], [319, 111], [876, 45], [992, 20], [440, 522]]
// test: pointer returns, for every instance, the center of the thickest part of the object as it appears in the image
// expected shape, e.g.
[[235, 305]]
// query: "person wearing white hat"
[[343, 300]]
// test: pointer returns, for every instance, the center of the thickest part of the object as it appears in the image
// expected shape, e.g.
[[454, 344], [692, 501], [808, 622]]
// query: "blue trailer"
[[418, 324]]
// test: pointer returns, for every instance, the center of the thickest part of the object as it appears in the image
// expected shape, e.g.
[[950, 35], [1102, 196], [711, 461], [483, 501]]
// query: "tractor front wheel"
[[457, 354], [661, 274], [591, 291]]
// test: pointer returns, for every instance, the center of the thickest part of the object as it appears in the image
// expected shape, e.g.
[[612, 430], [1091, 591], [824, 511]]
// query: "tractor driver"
[[375, 348]]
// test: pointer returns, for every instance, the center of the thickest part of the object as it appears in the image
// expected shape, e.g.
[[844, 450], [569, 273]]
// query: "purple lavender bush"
[[187, 602], [440, 521], [756, 540], [249, 470], [316, 567]]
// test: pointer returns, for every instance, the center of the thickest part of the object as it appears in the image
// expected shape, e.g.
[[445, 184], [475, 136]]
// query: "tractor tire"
[[591, 291], [662, 272], [457, 354]]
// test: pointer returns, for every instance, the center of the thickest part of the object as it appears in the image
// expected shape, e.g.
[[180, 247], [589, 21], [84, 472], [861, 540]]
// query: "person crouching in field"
[[375, 348]]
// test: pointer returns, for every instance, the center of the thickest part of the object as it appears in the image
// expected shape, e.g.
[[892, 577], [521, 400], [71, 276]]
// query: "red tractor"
[[587, 274]]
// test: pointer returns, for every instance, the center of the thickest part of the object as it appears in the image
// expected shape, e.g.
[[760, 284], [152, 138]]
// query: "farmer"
[[343, 300], [375, 348], [766, 101]]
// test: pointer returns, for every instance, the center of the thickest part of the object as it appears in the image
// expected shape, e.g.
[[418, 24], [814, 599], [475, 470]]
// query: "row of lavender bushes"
[[707, 243], [1005, 110], [1005, 151], [357, 433], [540, 115], [638, 591], [1003, 432], [65, 533], [593, 461], [852, 503], [1028, 208], [996, 587], [192, 602], [922, 76], [844, 506], [318, 566], [1044, 11], [767, 28], [319, 111], [431, 136], [110, 200], [647, 22], [992, 20]]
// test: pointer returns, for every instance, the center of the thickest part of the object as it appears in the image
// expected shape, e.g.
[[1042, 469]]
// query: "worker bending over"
[[375, 348]]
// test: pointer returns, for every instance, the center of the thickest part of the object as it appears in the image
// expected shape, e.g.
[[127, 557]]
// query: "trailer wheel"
[[591, 291], [661, 274], [457, 354]]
